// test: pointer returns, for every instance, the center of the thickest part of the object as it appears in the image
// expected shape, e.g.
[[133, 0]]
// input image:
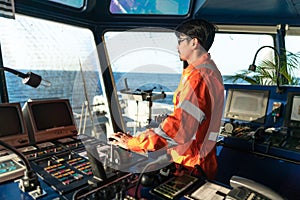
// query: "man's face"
[[183, 47]]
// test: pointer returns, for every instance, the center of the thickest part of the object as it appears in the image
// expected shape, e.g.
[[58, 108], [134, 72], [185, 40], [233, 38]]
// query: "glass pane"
[[292, 44], [64, 55], [152, 7], [71, 3], [144, 62], [233, 53]]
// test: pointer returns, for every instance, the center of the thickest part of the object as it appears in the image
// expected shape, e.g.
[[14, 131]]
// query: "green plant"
[[265, 73]]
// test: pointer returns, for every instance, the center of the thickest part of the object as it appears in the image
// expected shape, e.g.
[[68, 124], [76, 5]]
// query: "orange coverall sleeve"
[[146, 141]]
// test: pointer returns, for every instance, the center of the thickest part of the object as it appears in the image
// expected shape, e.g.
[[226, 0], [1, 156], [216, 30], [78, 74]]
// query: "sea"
[[81, 87]]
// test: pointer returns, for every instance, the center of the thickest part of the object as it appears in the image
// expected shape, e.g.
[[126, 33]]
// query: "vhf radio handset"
[[247, 189]]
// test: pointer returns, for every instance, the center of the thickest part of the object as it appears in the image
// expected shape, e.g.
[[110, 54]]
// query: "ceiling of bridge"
[[264, 12], [248, 11]]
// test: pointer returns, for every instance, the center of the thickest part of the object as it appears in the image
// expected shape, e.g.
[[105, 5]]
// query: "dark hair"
[[200, 29]]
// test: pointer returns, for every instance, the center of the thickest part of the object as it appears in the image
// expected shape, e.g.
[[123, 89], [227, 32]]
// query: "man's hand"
[[120, 139]]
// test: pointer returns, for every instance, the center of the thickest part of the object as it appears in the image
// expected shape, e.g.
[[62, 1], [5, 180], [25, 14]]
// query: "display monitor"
[[12, 126], [246, 105], [292, 114], [49, 119]]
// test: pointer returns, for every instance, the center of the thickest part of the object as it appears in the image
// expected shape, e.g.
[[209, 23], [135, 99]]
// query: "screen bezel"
[[289, 122], [246, 117], [37, 135]]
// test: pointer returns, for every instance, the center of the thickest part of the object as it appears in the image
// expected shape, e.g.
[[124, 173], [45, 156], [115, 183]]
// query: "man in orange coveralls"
[[191, 131]]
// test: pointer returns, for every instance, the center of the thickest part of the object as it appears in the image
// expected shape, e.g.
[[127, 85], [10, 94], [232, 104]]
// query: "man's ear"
[[196, 41]]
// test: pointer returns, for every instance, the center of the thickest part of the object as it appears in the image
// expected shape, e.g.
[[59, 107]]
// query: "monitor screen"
[[49, 119], [247, 105], [49, 115], [13, 130], [292, 115], [11, 120]]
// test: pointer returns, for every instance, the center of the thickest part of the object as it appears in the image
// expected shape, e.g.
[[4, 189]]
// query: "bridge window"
[[71, 3], [144, 61], [233, 53], [292, 44], [150, 7], [62, 54]]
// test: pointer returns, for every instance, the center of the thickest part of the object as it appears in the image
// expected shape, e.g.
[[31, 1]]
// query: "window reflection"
[[155, 7], [71, 3], [144, 61]]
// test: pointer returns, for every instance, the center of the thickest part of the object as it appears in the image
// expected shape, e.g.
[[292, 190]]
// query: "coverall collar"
[[204, 58]]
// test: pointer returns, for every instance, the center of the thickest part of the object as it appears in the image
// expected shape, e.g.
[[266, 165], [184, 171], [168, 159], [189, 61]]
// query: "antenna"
[[86, 98]]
